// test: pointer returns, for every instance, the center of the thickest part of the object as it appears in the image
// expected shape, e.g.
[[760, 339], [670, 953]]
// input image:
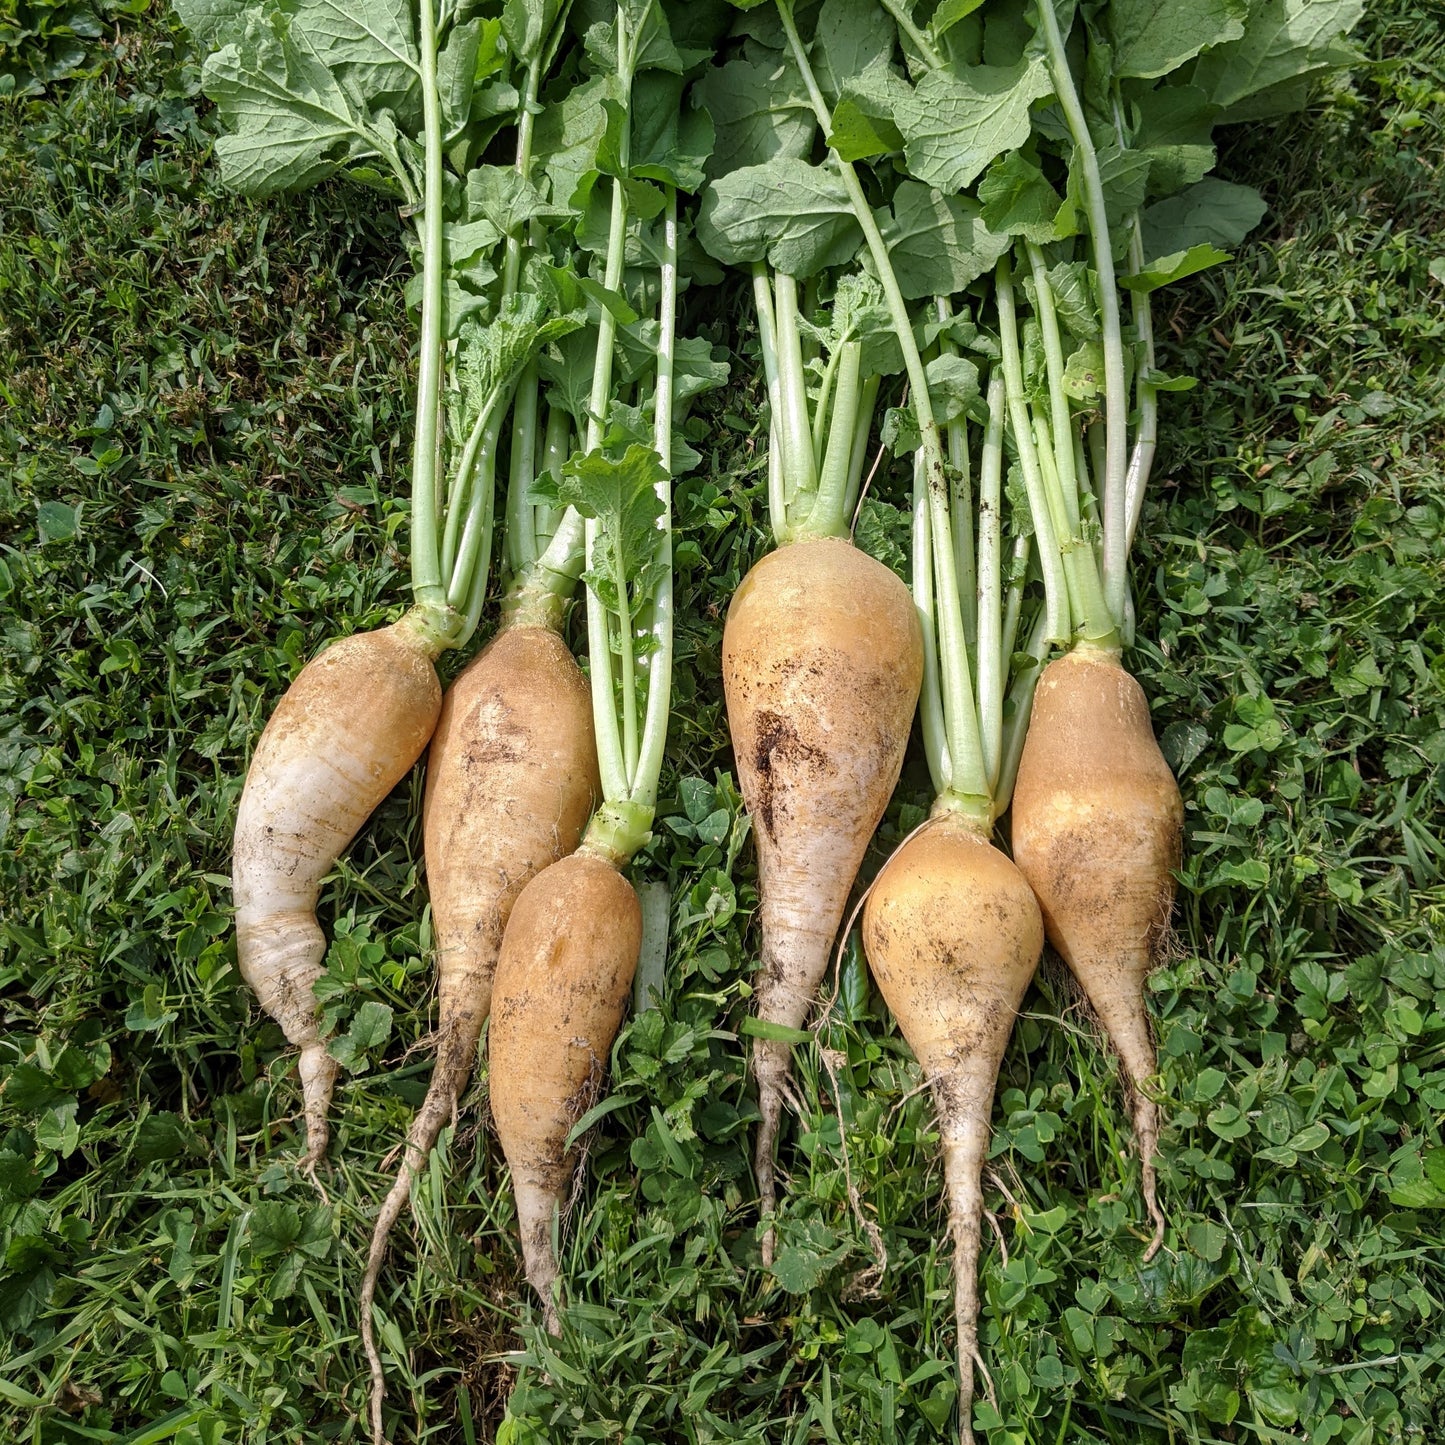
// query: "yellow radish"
[[953, 936], [511, 780], [1097, 825], [560, 993], [822, 662], [348, 729]]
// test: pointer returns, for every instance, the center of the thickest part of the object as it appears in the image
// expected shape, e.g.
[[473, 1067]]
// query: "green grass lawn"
[[203, 420]]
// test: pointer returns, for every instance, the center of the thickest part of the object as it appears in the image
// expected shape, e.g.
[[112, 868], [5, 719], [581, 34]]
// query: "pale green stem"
[[426, 571], [1021, 704], [992, 664], [1141, 459], [961, 511], [521, 539], [1058, 398], [820, 407], [858, 452], [512, 260], [829, 516], [1088, 507], [1014, 597], [1146, 438], [626, 661], [1042, 444], [1091, 614], [965, 745], [799, 463], [1056, 594], [777, 489], [1116, 442], [474, 539], [556, 448], [612, 753], [778, 497], [930, 702], [659, 663]]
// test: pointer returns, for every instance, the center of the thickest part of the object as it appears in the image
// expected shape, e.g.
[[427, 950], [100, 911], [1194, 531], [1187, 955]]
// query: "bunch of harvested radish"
[[953, 930], [358, 717]]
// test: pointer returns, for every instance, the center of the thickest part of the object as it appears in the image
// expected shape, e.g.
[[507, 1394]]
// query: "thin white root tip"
[[378, 1375], [1146, 1133]]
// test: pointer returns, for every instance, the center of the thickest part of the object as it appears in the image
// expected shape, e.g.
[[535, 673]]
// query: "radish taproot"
[[572, 943], [346, 732], [1097, 827], [822, 663]]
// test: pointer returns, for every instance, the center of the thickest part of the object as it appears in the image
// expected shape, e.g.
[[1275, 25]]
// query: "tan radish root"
[[822, 664], [1097, 825], [511, 780], [953, 936], [346, 732], [562, 984]]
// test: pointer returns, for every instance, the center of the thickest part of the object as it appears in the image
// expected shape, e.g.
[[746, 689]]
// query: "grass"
[[204, 422]]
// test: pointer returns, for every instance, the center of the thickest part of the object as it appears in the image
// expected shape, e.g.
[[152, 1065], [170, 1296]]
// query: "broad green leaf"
[[1074, 299], [796, 216], [506, 199], [949, 13], [938, 244], [1211, 211], [289, 121], [526, 24], [1018, 199], [567, 370], [491, 356], [1153, 37], [669, 145], [1173, 129], [849, 38], [1175, 267], [371, 40], [952, 386], [884, 532], [759, 111], [621, 496], [457, 75], [213, 22], [613, 302], [1084, 372], [863, 123], [463, 241], [953, 126], [1284, 42], [570, 134]]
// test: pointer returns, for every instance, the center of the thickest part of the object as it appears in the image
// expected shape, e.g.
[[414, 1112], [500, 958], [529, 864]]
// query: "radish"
[[822, 662], [822, 651], [357, 718], [347, 731], [572, 943]]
